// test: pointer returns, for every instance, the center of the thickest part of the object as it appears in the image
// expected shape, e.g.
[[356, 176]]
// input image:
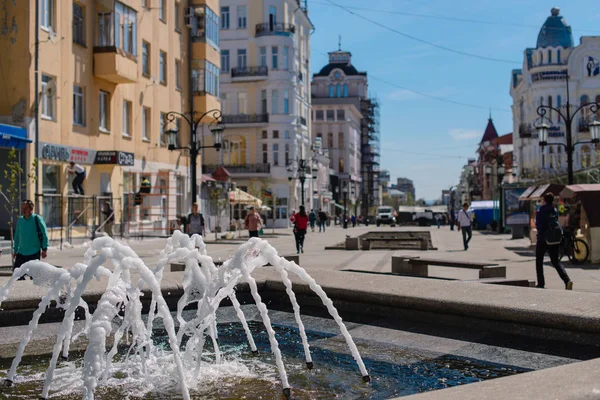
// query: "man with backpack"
[[195, 222], [29, 227], [465, 225], [549, 236]]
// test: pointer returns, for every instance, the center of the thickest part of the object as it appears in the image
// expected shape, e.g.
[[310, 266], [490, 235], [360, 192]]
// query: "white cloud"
[[465, 134]]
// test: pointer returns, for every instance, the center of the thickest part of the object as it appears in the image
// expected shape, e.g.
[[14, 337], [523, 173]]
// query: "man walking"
[[465, 219], [253, 223], [31, 237], [546, 221], [79, 172], [195, 222], [322, 220], [312, 218]]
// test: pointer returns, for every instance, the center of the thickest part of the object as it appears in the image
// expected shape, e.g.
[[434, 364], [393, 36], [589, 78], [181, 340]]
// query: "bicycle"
[[577, 250]]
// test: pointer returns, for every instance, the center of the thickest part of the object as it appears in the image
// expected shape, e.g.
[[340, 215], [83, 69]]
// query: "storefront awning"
[[238, 196], [13, 136], [527, 193]]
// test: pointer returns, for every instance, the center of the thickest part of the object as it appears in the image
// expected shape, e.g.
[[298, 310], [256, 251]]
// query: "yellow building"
[[109, 72]]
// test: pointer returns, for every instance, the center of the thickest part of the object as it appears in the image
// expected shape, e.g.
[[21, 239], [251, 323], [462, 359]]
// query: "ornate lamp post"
[[302, 166], [345, 191], [216, 128], [568, 118]]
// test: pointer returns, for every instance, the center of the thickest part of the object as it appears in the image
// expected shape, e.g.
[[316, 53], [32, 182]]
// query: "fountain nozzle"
[[287, 392], [7, 383], [366, 379], [309, 365]]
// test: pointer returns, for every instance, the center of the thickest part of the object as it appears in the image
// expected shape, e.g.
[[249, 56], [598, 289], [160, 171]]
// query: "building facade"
[[109, 73], [407, 186], [542, 80], [265, 64]]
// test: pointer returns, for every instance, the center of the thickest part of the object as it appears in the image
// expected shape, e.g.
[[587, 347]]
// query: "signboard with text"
[[113, 157], [58, 152]]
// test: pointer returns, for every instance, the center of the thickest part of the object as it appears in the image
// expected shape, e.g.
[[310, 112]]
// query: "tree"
[[218, 201], [12, 193]]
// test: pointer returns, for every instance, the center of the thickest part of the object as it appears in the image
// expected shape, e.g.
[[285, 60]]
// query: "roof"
[[490, 132], [348, 69], [505, 139], [555, 32]]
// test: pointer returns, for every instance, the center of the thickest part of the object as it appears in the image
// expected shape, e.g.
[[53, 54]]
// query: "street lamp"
[[568, 118], [301, 169], [216, 128], [345, 191]]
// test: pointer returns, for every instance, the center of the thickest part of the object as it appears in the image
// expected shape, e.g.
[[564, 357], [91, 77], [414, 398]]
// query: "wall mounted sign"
[[113, 157], [548, 76], [58, 152]]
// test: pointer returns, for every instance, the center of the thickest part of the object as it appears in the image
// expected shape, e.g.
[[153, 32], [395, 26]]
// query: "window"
[[558, 56], [162, 10], [177, 16], [286, 134], [331, 91], [178, 74], [275, 134], [275, 101], [273, 14], [265, 135], [558, 105], [286, 101], [275, 57], [287, 154], [338, 90], [205, 26], [207, 79], [78, 105], [330, 140], [146, 58], [265, 153], [47, 11], [127, 111], [224, 17], [550, 104], [104, 117], [241, 58], [146, 123], [161, 136], [47, 98], [319, 115], [263, 56], [118, 29], [345, 90], [241, 14], [549, 56], [163, 67], [225, 104], [286, 58], [225, 61], [78, 24], [341, 115], [242, 103], [263, 102], [276, 154], [330, 115], [146, 3], [341, 141]]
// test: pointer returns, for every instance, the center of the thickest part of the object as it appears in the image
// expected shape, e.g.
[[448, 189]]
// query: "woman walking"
[[300, 220]]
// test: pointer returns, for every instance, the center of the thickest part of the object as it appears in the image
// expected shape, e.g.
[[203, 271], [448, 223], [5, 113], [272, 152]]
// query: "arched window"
[[330, 140], [549, 56], [541, 57], [558, 56], [331, 91], [338, 90], [345, 90]]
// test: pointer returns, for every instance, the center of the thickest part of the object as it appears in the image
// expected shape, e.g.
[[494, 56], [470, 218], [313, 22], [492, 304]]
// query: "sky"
[[422, 138]]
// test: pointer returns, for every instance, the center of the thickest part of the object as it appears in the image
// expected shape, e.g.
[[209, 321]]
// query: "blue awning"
[[13, 136]]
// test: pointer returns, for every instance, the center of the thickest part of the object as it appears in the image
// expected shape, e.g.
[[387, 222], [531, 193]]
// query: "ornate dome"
[[555, 32]]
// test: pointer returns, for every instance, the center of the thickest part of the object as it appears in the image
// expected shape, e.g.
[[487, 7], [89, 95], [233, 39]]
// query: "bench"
[[419, 267]]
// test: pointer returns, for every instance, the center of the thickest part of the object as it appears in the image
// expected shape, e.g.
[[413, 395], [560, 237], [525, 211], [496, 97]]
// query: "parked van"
[[385, 215]]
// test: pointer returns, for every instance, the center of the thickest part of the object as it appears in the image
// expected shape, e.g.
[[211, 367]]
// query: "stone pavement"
[[501, 249]]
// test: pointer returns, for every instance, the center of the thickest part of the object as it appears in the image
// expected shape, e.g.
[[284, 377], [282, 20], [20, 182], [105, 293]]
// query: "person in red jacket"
[[300, 220]]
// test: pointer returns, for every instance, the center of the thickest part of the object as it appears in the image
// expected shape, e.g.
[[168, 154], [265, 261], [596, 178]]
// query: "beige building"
[[109, 72], [265, 97]]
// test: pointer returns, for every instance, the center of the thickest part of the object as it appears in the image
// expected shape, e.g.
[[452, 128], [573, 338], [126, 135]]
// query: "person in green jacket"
[[31, 237]]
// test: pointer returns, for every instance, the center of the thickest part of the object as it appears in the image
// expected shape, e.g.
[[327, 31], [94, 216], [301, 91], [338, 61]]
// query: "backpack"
[[554, 233], [39, 230], [189, 219]]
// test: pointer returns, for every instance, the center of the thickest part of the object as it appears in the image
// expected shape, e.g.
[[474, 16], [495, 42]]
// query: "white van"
[[385, 215]]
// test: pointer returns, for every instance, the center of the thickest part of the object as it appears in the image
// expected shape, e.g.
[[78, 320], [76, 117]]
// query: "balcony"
[[280, 29], [583, 125], [114, 58], [240, 169], [249, 74], [245, 119], [525, 130]]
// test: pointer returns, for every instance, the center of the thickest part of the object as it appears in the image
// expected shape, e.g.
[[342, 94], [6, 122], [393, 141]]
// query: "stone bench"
[[180, 266], [419, 267]]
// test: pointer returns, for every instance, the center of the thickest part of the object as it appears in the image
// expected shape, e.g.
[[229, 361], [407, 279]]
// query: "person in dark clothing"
[[300, 221], [544, 216], [452, 219], [322, 220]]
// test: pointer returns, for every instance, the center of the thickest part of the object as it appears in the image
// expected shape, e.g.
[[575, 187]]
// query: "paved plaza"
[[518, 257]]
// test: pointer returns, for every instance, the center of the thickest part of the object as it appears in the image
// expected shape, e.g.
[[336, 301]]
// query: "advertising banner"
[[516, 212]]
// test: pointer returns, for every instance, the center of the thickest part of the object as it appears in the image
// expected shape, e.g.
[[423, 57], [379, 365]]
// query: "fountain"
[[204, 285]]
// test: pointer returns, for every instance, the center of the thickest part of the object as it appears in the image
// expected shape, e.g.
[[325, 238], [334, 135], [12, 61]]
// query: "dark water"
[[395, 371]]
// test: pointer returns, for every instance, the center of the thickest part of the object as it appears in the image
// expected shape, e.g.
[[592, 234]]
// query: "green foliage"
[[218, 200]]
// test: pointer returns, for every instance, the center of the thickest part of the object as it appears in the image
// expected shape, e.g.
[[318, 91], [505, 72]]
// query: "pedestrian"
[[253, 223], [465, 224], [322, 220], [438, 220], [300, 221], [312, 218], [452, 219], [109, 214], [79, 172], [29, 227], [196, 222], [353, 219], [549, 235]]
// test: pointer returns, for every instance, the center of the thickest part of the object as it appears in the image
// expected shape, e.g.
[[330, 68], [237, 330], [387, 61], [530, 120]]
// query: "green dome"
[[555, 32]]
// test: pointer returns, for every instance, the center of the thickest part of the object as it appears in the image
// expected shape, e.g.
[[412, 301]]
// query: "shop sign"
[[113, 157], [548, 76], [57, 152]]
